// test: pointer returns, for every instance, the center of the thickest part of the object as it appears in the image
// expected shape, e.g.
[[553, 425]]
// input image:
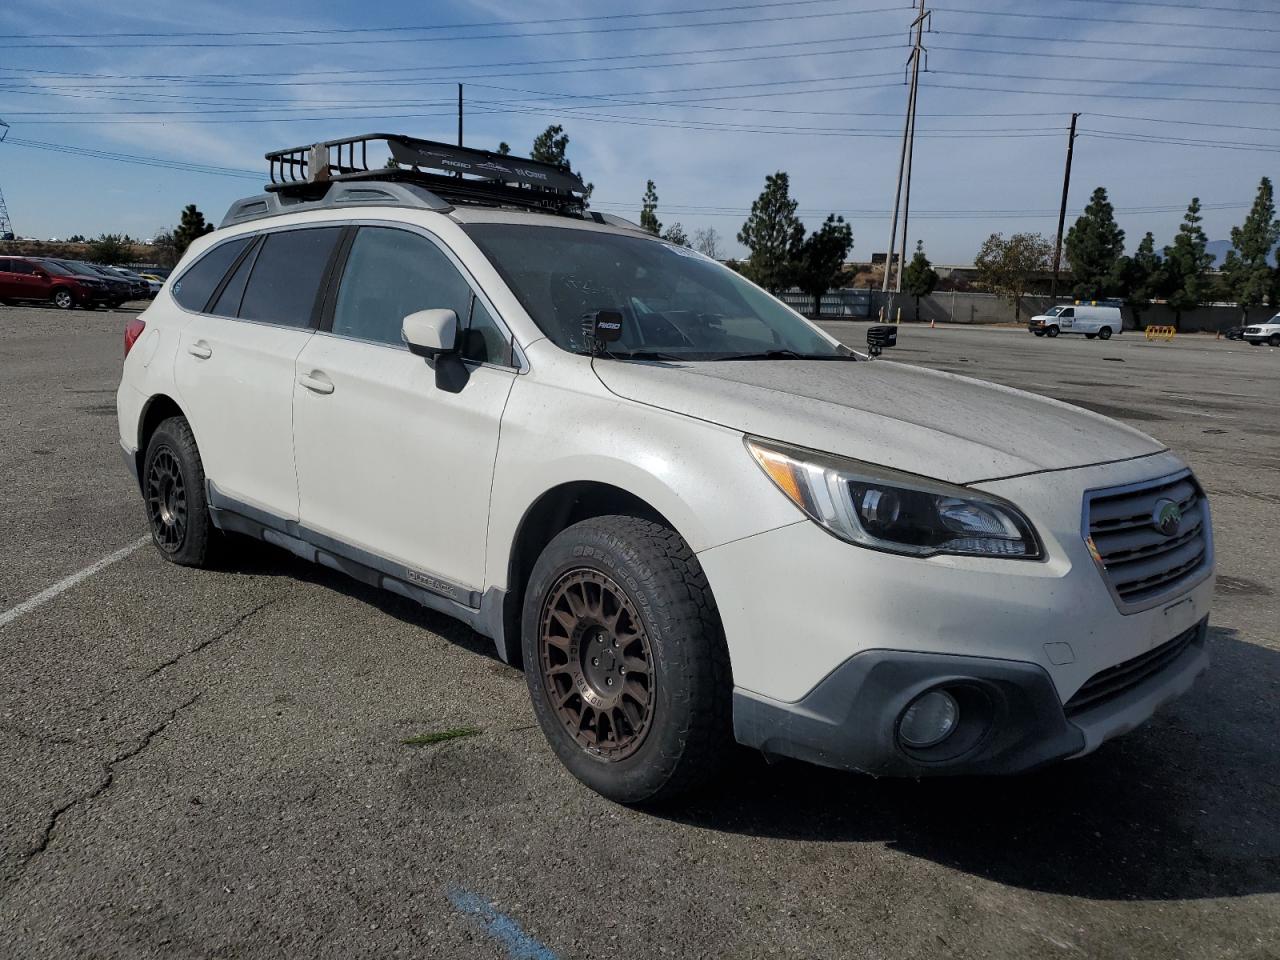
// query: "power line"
[[158, 162], [237, 79], [1140, 23], [1104, 96], [1125, 81], [1038, 54], [240, 44], [1097, 41], [426, 27], [1201, 7]]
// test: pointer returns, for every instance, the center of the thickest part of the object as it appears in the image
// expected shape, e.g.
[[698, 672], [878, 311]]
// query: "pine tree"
[[1139, 278], [773, 233], [1185, 263], [675, 234], [1093, 244], [552, 146], [649, 210], [504, 148], [919, 278], [1248, 274], [190, 227], [820, 262]]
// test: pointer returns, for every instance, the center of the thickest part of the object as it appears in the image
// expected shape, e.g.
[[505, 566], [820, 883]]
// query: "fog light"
[[929, 720]]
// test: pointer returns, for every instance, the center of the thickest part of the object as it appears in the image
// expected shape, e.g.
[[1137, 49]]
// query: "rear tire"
[[1051, 332], [626, 661], [62, 299], [173, 491], [1104, 333]]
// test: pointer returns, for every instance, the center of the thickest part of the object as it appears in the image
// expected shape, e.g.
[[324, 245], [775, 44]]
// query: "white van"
[[1090, 319]]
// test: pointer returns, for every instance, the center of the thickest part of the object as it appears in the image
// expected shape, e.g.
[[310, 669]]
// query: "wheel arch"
[[158, 408], [553, 511]]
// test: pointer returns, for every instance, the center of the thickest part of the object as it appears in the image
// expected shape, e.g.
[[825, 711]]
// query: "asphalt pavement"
[[214, 763]]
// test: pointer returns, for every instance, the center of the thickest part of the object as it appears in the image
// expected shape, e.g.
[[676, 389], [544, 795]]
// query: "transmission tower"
[[6, 225]]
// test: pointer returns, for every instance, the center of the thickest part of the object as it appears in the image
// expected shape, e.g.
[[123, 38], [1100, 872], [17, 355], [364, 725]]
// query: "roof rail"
[[335, 196], [460, 174]]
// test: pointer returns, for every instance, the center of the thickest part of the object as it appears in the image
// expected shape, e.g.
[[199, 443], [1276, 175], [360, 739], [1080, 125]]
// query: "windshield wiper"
[[786, 355]]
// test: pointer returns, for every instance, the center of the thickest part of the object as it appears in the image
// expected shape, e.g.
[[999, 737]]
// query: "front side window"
[[392, 273], [197, 283], [286, 276], [55, 269], [675, 303], [1069, 312]]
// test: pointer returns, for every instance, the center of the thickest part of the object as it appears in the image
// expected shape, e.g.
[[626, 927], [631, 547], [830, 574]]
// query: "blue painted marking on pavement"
[[518, 944]]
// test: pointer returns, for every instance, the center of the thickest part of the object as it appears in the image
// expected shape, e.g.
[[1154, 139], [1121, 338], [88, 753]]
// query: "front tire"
[[1051, 332], [174, 492], [1275, 340], [625, 660], [62, 299]]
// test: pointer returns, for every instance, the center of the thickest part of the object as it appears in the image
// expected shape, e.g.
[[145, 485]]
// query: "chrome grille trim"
[[1141, 567]]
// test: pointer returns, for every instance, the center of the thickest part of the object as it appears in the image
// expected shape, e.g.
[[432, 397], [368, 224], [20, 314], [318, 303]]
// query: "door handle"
[[200, 350], [316, 384]]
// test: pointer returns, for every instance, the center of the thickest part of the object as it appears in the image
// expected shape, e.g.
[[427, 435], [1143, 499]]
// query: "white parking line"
[[26, 606]]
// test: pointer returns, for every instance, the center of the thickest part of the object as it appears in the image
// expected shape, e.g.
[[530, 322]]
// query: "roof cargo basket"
[[455, 174]]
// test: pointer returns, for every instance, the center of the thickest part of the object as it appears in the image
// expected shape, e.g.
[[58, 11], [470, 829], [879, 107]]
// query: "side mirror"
[[430, 333]]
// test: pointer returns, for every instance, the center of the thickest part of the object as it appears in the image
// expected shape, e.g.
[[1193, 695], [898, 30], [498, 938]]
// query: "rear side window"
[[391, 274], [286, 276], [228, 302], [197, 284], [6, 266]]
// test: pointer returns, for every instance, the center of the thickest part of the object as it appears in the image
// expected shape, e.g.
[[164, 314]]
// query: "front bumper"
[[1011, 719], [825, 637]]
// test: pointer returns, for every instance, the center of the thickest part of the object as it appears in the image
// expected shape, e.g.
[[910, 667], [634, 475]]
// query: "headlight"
[[897, 512]]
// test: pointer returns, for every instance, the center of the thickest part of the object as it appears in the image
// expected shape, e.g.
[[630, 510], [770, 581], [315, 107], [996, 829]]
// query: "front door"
[[395, 453]]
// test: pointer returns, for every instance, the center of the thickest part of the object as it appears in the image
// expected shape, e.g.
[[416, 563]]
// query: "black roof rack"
[[455, 174]]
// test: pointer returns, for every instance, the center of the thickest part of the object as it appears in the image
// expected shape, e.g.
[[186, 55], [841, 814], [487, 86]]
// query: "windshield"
[[1053, 311], [79, 268], [675, 304], [56, 269]]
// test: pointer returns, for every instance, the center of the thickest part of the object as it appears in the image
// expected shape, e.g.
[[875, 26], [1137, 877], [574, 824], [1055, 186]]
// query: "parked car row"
[[71, 283]]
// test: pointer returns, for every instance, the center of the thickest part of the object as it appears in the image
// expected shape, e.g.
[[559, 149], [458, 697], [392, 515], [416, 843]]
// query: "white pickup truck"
[[1090, 319], [1267, 332]]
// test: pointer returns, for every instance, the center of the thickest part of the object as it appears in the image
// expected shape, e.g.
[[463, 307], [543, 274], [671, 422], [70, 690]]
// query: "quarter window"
[[196, 285], [286, 276]]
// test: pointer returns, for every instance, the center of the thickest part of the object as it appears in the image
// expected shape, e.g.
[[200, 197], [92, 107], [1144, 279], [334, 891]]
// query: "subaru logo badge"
[[1167, 517]]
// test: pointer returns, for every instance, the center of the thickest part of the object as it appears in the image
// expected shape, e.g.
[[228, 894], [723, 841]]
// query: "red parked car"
[[33, 279]]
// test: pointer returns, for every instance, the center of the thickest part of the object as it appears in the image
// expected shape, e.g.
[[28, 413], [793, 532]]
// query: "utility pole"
[[6, 225], [904, 155], [459, 114], [1062, 210]]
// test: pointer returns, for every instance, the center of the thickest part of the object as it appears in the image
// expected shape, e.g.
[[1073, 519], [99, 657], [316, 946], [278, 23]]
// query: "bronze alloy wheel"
[[596, 664], [167, 500]]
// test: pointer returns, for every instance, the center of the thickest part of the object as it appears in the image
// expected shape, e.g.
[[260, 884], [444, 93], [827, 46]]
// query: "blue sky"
[[706, 104]]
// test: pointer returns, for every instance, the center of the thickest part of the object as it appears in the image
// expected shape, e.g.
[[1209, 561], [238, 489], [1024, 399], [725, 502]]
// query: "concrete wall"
[[954, 307]]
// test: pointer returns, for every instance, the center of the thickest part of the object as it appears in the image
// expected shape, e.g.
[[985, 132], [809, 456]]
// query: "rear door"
[[30, 281], [395, 454], [255, 307]]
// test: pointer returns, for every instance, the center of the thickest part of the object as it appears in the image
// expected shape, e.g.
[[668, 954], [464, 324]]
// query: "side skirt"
[[481, 611]]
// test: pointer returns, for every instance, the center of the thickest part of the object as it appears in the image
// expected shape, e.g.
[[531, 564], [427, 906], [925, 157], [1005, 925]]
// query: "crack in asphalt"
[[226, 631], [103, 785]]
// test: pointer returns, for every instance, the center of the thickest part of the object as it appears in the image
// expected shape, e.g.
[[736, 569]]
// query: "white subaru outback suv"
[[691, 515]]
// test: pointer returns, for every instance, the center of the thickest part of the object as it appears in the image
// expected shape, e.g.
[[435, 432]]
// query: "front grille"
[[1112, 682], [1140, 562]]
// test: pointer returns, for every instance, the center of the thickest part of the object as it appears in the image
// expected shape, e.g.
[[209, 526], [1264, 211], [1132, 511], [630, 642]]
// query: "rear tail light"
[[132, 331]]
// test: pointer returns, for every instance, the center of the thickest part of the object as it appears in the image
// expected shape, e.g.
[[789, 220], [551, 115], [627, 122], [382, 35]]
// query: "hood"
[[909, 418]]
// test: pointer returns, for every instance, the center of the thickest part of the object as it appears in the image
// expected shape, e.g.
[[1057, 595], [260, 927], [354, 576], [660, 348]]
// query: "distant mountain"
[[1218, 249]]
